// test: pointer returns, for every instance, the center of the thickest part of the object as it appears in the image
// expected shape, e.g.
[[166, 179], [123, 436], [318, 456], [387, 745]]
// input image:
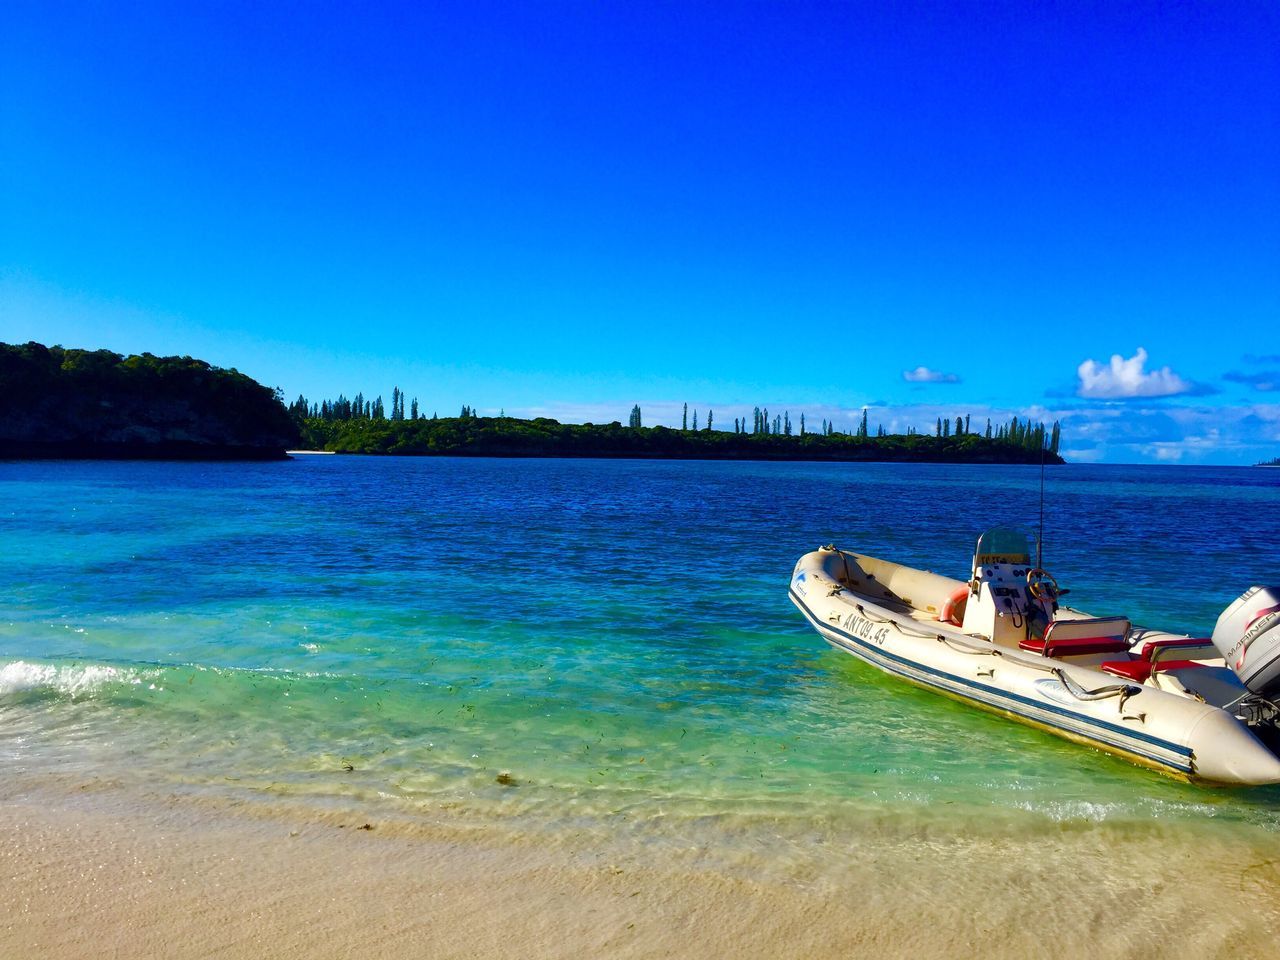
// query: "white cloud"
[[1122, 379], [925, 375]]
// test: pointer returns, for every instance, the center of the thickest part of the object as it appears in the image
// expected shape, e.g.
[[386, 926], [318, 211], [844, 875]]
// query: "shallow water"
[[615, 636]]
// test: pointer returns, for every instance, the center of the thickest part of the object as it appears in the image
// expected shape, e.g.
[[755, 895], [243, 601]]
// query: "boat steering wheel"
[[1042, 585]]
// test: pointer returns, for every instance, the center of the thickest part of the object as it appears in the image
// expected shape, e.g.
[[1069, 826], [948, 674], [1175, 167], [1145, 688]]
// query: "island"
[[471, 435], [63, 403], [67, 403]]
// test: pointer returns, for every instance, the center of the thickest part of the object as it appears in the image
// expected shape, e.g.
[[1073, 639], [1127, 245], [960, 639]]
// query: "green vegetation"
[[80, 403], [354, 426]]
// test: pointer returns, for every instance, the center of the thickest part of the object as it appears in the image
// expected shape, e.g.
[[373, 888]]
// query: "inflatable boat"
[[1200, 709]]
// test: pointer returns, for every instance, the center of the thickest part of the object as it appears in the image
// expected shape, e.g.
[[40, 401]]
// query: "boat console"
[[1010, 600]]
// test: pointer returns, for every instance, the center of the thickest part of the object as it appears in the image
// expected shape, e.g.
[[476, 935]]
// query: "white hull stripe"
[[1005, 700]]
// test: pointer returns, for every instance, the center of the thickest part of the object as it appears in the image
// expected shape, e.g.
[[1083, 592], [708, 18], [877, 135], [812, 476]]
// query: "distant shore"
[[62, 404], [472, 436]]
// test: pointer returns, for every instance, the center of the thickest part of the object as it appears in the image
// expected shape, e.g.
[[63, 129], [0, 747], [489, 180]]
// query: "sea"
[[578, 644]]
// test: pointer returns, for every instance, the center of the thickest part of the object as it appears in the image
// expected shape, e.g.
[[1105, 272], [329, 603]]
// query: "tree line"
[[1025, 433], [1022, 433]]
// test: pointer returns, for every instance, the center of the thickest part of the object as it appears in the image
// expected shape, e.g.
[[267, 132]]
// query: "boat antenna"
[[1040, 536]]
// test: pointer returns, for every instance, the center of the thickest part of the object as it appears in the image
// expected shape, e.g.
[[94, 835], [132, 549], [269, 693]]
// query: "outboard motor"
[[1248, 637]]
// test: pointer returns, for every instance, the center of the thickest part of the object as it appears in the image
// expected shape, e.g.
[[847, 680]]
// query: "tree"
[[684, 424], [988, 428], [413, 408], [635, 416], [959, 427], [802, 423], [939, 427], [710, 414], [695, 420], [1055, 437], [862, 428]]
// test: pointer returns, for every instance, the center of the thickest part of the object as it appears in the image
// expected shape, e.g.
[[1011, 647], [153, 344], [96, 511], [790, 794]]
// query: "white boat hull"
[[1176, 734]]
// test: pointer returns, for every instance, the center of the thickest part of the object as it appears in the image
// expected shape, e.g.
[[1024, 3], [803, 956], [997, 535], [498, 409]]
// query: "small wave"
[[20, 677]]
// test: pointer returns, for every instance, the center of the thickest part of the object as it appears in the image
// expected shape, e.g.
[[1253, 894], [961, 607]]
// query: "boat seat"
[[1152, 656], [1074, 646], [1139, 670], [1151, 647], [1078, 638]]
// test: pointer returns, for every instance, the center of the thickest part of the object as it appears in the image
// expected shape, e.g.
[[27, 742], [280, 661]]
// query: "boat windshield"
[[1002, 545]]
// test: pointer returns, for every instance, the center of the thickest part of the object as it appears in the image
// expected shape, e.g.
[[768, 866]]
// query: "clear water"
[[614, 637]]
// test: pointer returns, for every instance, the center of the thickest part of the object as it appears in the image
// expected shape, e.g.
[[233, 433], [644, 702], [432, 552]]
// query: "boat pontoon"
[[1200, 709]]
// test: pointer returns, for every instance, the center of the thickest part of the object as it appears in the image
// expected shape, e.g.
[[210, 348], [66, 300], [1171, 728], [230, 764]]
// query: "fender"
[[949, 613]]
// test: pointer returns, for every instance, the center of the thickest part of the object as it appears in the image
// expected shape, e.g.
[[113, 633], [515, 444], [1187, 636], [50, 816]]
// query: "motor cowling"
[[1248, 637]]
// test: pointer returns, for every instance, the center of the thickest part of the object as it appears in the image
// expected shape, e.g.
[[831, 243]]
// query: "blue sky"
[[570, 208]]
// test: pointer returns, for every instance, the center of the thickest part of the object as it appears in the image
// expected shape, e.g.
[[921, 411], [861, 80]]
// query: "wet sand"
[[119, 876]]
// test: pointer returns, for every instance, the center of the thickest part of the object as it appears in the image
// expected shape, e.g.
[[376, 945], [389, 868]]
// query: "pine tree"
[[684, 425], [1055, 438], [959, 427], [413, 408], [710, 416], [988, 428], [966, 423], [802, 423], [695, 420]]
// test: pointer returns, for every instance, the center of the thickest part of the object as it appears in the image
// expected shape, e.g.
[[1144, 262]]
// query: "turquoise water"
[[613, 637]]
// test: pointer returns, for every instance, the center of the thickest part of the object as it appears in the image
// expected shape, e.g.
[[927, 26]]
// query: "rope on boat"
[[844, 559], [897, 626], [1122, 690], [966, 648]]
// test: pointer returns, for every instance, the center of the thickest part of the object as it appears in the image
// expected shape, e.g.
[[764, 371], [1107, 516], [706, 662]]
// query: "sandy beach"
[[107, 873]]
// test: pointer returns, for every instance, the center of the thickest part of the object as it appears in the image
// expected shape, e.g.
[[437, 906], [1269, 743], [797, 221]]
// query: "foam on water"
[[71, 681]]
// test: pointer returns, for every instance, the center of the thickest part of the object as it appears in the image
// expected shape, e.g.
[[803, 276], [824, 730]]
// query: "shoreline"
[[97, 869]]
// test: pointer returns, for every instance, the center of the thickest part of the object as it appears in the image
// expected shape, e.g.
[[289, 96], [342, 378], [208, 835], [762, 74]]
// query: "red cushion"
[[1151, 646], [1076, 646], [1139, 670]]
